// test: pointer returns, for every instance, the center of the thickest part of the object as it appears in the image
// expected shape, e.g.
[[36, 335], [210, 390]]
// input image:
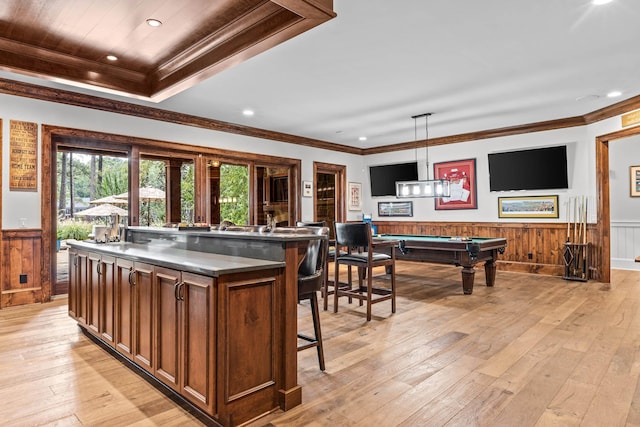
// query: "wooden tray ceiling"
[[69, 40]]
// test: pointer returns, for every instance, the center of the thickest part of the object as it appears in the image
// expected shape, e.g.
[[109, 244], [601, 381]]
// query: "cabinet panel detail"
[[249, 317], [199, 341], [124, 318], [24, 280], [167, 284], [143, 316]]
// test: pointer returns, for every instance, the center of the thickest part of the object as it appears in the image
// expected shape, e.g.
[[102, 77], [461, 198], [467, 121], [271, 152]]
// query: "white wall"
[[581, 170], [580, 142], [17, 204], [625, 210], [623, 153]]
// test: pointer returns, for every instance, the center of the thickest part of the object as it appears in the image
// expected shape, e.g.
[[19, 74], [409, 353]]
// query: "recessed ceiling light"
[[248, 112], [587, 98], [599, 2], [362, 138], [153, 22], [112, 57], [614, 93]]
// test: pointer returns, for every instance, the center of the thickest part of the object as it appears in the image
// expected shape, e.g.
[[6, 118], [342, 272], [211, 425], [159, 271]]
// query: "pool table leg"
[[490, 272], [468, 274]]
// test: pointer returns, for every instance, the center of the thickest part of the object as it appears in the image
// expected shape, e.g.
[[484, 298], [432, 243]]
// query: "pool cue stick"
[[586, 203], [584, 241], [568, 256], [573, 237], [578, 221], [579, 236], [575, 218], [568, 220], [581, 217]]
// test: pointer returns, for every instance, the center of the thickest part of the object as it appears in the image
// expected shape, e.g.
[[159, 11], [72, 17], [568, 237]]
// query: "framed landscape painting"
[[528, 207], [635, 181], [395, 208], [462, 177]]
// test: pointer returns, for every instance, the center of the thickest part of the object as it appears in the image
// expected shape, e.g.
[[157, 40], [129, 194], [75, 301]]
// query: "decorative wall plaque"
[[631, 118], [23, 156]]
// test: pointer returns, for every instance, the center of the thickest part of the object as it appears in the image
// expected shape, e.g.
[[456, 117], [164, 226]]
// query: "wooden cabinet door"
[[72, 298], [94, 287], [248, 343], [82, 288], [143, 314], [198, 296], [107, 301], [167, 366], [124, 305]]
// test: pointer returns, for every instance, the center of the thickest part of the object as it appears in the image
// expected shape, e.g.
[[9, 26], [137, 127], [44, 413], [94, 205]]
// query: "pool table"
[[459, 251]]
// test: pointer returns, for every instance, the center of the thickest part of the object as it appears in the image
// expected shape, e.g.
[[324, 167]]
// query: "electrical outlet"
[[530, 255], [23, 278]]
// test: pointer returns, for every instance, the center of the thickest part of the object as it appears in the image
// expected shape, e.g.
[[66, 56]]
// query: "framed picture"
[[528, 207], [462, 177], [395, 208], [307, 189], [635, 181], [355, 196]]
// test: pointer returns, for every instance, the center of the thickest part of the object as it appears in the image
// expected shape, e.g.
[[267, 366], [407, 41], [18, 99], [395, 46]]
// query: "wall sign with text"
[[23, 156]]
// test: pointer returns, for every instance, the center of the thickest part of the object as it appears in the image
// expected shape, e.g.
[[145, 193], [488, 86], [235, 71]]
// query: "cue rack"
[[576, 249]]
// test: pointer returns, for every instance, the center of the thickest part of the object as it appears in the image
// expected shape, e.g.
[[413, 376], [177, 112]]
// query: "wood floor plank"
[[503, 360], [569, 405], [612, 400], [403, 406], [530, 351], [532, 400], [439, 411]]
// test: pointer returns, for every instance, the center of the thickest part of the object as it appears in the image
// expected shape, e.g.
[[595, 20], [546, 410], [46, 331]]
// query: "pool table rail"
[[447, 250]]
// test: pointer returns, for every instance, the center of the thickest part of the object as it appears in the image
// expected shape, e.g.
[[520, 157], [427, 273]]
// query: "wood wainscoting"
[[24, 278], [531, 247]]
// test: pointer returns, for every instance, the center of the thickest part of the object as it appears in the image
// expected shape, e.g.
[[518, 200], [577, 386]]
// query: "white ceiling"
[[475, 65]]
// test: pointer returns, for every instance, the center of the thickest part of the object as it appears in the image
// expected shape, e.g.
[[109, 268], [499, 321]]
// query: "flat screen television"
[[383, 177], [535, 169]]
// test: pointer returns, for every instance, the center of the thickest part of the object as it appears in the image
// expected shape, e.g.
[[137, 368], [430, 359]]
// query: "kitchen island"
[[210, 315]]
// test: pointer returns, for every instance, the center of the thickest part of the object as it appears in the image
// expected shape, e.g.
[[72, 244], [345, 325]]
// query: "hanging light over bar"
[[427, 187], [423, 188]]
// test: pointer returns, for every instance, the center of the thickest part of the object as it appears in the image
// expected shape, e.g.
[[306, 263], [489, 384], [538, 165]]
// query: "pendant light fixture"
[[427, 187]]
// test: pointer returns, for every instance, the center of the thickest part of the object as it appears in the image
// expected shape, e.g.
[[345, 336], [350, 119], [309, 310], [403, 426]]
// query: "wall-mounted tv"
[[383, 177], [535, 169]]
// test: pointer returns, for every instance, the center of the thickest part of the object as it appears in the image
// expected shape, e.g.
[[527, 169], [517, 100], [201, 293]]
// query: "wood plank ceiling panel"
[[69, 40]]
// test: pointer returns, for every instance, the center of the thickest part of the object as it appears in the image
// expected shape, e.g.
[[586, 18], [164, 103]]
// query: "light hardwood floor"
[[532, 351]]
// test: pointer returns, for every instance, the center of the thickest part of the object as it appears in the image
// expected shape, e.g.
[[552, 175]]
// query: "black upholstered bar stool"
[[311, 279], [331, 253], [356, 239]]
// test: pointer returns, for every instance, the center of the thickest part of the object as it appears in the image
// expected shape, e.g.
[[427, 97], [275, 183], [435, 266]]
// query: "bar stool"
[[331, 253], [360, 253], [311, 278]]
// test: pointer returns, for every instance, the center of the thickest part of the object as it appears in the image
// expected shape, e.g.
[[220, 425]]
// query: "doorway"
[[91, 186], [602, 233], [329, 188]]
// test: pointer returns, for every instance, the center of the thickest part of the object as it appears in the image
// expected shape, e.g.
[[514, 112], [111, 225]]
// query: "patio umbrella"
[[146, 194], [112, 200], [105, 209]]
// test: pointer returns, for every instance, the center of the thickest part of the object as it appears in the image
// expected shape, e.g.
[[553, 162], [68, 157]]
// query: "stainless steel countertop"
[[209, 264]]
